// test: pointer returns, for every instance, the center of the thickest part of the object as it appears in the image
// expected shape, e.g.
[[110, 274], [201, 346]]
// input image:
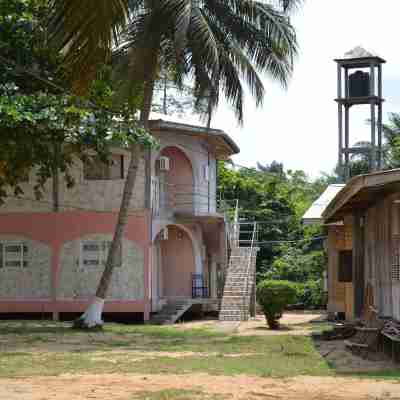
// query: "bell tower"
[[359, 76]]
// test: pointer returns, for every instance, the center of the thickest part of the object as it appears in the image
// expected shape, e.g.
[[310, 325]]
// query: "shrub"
[[273, 296], [314, 294]]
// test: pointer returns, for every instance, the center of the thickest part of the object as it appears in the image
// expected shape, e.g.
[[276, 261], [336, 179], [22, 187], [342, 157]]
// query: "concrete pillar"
[[214, 282]]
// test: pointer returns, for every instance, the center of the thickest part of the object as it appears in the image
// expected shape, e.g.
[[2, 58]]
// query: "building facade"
[[51, 262], [363, 226]]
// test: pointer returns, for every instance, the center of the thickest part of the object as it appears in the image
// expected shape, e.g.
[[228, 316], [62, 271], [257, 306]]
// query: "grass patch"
[[130, 349], [42, 348], [315, 327]]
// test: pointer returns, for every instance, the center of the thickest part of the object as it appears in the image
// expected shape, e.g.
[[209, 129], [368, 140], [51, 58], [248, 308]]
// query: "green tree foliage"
[[273, 297], [218, 45], [391, 132], [42, 126], [277, 199]]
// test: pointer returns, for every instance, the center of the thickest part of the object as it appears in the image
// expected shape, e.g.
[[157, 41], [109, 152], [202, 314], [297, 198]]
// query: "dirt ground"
[[292, 323], [344, 361], [123, 387], [128, 386]]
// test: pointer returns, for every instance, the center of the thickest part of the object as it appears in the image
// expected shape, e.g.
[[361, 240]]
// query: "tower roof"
[[359, 52], [360, 57]]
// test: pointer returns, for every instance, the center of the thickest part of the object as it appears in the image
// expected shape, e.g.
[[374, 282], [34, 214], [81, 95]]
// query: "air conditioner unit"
[[163, 163], [164, 234]]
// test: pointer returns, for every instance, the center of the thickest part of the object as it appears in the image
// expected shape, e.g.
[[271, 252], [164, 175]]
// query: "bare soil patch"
[[344, 361], [292, 323], [124, 387]]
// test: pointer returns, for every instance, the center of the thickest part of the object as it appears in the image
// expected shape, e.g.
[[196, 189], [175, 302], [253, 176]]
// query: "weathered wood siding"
[[358, 261], [381, 222], [395, 254], [339, 238], [335, 295], [349, 300]]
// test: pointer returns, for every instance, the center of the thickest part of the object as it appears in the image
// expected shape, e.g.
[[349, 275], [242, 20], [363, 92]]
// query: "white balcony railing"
[[185, 198]]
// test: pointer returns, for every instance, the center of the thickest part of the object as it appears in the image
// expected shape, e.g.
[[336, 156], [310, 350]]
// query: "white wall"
[[33, 281], [76, 281], [98, 195]]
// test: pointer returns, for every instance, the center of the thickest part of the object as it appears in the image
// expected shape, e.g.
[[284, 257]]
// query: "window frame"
[[23, 257], [103, 253]]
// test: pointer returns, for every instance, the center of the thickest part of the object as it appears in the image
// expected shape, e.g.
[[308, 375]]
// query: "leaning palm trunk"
[[92, 318]]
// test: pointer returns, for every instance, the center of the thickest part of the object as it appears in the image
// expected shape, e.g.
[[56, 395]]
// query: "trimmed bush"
[[273, 296]]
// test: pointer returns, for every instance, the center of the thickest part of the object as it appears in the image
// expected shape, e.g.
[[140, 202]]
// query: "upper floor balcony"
[[183, 182], [182, 199]]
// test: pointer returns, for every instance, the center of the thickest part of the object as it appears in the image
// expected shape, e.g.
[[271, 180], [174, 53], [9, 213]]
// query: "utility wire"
[[312, 239]]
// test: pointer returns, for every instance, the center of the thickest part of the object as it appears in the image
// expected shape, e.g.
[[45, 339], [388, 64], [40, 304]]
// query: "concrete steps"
[[171, 312]]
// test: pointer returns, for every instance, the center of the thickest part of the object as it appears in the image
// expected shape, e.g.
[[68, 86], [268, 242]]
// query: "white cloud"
[[299, 127]]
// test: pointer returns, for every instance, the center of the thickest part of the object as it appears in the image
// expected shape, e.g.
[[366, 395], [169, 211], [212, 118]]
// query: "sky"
[[298, 126]]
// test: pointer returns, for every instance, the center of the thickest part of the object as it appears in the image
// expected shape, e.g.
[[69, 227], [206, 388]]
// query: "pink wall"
[[55, 229], [180, 167], [180, 176], [177, 263]]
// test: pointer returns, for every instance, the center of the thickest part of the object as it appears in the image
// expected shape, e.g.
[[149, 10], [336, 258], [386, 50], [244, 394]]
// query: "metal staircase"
[[239, 287]]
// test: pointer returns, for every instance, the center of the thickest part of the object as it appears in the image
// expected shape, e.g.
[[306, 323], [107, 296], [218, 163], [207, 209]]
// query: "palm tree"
[[216, 43]]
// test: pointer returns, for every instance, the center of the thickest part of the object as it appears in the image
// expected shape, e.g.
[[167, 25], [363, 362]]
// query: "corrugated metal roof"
[[314, 214]]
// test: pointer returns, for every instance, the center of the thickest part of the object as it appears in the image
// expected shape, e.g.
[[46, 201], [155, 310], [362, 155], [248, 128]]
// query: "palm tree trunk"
[[165, 95], [92, 316], [56, 179]]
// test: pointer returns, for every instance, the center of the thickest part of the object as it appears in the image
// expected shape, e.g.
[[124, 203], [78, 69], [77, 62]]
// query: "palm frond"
[[86, 31]]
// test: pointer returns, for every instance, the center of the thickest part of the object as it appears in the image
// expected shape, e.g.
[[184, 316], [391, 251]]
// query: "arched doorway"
[[174, 262], [177, 182]]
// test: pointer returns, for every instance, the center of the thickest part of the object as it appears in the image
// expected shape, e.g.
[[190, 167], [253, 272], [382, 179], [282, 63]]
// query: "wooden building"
[[362, 222], [368, 207], [363, 246]]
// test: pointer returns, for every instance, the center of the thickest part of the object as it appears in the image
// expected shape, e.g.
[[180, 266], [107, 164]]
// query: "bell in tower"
[[359, 83]]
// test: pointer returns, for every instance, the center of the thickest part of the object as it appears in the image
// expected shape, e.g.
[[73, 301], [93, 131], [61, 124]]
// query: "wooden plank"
[[336, 294], [349, 294], [358, 263]]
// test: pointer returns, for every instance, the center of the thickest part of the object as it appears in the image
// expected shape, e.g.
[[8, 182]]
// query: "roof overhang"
[[222, 143], [361, 192], [360, 62], [314, 214]]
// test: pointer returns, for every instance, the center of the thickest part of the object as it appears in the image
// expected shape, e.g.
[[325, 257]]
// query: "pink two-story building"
[[174, 247]]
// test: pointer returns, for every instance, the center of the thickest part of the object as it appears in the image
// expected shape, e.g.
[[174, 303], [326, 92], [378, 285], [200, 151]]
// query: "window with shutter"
[[95, 253], [396, 259], [13, 255]]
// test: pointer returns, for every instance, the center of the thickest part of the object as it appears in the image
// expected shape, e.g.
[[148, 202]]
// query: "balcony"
[[184, 199]]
